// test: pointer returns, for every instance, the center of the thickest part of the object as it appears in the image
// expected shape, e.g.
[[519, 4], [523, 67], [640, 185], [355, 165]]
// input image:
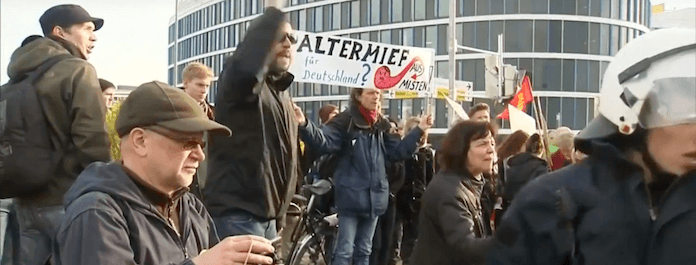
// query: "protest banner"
[[331, 60]]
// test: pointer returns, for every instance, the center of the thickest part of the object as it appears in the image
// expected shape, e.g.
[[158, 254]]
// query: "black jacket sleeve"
[[248, 65], [457, 225]]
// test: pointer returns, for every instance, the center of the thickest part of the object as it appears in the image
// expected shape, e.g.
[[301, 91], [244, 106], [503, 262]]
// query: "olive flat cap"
[[156, 103]]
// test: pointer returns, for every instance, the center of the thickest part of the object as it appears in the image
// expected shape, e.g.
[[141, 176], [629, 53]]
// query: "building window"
[[568, 75], [468, 8], [430, 6], [468, 30], [595, 38], [497, 7], [408, 37], [482, 7], [497, 28], [408, 10], [575, 37], [518, 35], [345, 19], [385, 36], [419, 37], [442, 69], [303, 20], [374, 12], [419, 9], [443, 42], [337, 18], [431, 40], [397, 10], [396, 37], [355, 14], [512, 6], [482, 30], [318, 19]]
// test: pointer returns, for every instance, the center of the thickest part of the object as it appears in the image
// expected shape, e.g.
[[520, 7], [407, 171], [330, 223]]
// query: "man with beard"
[[252, 175]]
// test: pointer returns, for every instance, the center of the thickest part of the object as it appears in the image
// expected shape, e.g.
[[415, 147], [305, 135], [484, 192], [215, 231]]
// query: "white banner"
[[331, 60], [521, 121]]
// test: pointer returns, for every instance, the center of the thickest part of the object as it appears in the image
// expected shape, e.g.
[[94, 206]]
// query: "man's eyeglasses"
[[290, 36], [189, 143]]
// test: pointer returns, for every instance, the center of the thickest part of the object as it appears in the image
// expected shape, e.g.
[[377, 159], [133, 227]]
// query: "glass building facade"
[[564, 44]]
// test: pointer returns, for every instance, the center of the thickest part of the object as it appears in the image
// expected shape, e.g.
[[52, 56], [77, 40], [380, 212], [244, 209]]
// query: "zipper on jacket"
[[651, 208]]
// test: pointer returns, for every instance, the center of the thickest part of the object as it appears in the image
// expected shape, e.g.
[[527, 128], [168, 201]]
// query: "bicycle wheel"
[[307, 252]]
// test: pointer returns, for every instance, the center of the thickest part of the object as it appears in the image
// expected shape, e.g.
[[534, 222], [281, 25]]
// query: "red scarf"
[[370, 115]]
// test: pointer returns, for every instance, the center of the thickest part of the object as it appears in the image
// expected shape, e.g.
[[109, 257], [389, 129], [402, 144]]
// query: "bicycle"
[[315, 233]]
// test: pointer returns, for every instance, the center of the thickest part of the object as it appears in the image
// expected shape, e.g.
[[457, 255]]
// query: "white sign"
[[458, 110], [331, 60], [464, 89], [521, 121]]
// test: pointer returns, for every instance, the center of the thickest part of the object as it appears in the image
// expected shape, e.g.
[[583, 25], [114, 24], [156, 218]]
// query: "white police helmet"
[[651, 83]]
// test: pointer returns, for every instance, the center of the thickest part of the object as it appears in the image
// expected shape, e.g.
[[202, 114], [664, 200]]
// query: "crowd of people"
[[618, 192]]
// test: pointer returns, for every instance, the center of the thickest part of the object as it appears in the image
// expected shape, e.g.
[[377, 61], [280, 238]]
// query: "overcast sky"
[[131, 48]]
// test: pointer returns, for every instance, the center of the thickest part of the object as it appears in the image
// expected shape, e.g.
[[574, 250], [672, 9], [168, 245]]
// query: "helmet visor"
[[671, 101]]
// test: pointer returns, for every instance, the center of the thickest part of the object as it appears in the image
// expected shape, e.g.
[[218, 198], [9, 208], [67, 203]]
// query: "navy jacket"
[[110, 220], [361, 185], [598, 212]]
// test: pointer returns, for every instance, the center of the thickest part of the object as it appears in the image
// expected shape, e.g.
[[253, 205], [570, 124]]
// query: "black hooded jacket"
[[521, 168], [256, 169], [109, 219]]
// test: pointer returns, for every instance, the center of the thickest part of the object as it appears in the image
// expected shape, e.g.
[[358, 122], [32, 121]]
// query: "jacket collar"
[[72, 49], [280, 82], [359, 121], [164, 203]]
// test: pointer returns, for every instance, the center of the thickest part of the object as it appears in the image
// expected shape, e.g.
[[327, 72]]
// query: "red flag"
[[521, 98]]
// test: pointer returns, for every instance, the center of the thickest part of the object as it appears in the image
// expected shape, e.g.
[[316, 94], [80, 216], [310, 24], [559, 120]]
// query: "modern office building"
[[565, 44]]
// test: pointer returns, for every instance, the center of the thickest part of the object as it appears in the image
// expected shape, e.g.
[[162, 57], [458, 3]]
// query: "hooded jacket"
[[451, 228], [256, 169], [109, 219], [72, 103], [361, 185], [599, 212], [522, 168]]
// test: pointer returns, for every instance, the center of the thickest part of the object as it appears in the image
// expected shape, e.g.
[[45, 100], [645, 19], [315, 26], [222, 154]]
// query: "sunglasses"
[[187, 142], [290, 36]]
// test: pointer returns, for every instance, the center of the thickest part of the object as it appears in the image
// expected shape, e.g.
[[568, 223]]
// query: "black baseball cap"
[[66, 16]]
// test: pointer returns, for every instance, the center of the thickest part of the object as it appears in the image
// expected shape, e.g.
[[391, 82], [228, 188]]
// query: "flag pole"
[[452, 62], [544, 129]]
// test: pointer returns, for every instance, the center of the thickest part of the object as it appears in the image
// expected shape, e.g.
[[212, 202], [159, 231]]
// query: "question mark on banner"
[[364, 78]]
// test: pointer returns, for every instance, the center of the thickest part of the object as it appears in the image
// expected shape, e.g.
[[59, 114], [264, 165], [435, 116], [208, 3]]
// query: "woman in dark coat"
[[451, 226]]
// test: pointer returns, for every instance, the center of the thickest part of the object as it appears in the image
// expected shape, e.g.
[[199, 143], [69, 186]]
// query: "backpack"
[[27, 160]]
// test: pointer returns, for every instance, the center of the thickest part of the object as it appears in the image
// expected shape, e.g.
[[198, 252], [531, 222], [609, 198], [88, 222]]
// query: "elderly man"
[[139, 210]]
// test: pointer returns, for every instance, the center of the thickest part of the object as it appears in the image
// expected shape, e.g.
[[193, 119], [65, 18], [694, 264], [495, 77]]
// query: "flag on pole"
[[521, 98]]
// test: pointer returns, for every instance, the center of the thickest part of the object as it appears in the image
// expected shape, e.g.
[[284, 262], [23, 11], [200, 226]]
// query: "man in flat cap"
[[74, 109], [139, 210]]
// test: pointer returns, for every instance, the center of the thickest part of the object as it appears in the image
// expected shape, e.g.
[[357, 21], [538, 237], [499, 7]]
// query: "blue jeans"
[[354, 239], [5, 209], [34, 239], [241, 222]]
